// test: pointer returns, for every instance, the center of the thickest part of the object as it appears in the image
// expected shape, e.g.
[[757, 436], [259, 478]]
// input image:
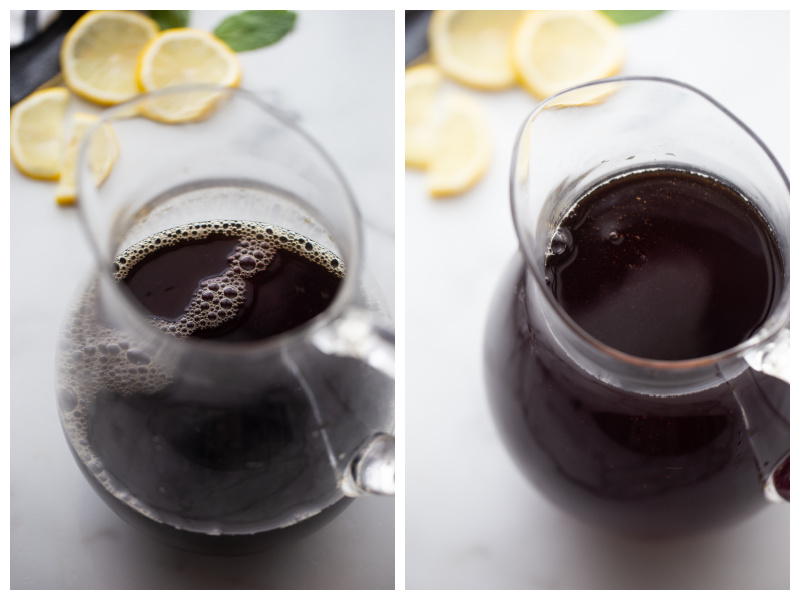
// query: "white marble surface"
[[472, 521], [336, 71]]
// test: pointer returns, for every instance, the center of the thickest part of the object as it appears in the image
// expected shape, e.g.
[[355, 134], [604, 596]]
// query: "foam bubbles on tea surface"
[[218, 298]]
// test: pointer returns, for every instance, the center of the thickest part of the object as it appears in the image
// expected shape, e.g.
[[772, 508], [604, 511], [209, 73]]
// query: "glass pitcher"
[[225, 380], [636, 445]]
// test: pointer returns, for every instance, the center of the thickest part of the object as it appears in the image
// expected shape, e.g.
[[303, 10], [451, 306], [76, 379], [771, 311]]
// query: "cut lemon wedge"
[[37, 132], [474, 46], [186, 56], [422, 86], [462, 148], [101, 154], [553, 50], [99, 54]]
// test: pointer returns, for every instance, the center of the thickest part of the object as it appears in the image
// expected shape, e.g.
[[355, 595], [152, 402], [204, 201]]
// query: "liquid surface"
[[230, 281], [665, 264]]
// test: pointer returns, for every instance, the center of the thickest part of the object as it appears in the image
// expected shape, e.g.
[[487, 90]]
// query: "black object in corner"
[[416, 33], [36, 61]]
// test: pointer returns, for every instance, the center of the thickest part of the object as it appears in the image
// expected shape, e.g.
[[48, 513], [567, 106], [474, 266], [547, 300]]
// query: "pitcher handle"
[[357, 334], [371, 469], [772, 358]]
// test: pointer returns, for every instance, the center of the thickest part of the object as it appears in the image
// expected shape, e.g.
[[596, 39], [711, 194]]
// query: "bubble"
[[248, 263], [67, 399], [549, 276], [561, 242]]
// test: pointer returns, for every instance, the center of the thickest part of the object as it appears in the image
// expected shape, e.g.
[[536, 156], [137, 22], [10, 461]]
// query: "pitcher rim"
[[777, 320], [345, 295]]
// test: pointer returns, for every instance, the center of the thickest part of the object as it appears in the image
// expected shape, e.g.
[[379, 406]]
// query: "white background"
[[472, 521], [336, 71]]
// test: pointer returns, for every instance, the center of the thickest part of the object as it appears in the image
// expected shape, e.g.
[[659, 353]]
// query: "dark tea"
[[662, 264], [665, 265], [230, 281], [212, 454]]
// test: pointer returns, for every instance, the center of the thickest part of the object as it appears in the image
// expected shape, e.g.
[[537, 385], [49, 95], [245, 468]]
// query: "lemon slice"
[[100, 52], [186, 56], [37, 131], [101, 154], [556, 49], [474, 46], [422, 86], [462, 148]]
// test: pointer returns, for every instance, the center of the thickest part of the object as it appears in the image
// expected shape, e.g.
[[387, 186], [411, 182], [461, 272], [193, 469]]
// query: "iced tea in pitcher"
[[621, 343]]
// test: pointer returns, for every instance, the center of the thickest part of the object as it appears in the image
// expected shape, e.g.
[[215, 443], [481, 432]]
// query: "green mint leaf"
[[170, 19], [255, 28], [623, 17]]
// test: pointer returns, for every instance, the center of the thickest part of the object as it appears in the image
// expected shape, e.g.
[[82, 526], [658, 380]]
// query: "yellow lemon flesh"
[[100, 52], [186, 56], [553, 50], [422, 86], [102, 152], [37, 132], [462, 146], [474, 46]]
